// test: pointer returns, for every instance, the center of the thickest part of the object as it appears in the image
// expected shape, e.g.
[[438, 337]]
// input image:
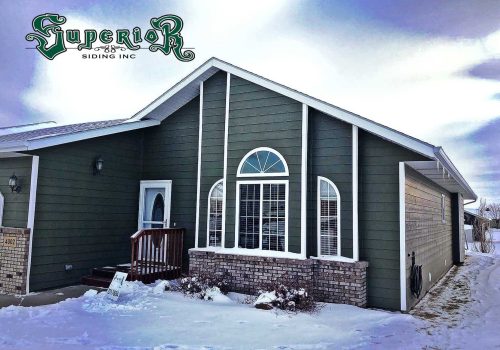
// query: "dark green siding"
[[259, 117], [15, 212], [330, 156], [379, 216], [82, 219], [171, 153], [212, 152]]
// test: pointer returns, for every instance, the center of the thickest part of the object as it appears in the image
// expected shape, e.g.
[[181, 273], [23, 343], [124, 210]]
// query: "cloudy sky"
[[428, 68]]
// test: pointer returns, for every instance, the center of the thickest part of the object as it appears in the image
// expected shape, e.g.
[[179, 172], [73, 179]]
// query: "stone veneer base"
[[14, 250], [330, 281]]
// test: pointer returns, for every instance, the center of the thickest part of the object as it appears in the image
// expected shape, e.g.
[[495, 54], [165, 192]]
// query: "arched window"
[[328, 218], [215, 205], [262, 161], [1, 208]]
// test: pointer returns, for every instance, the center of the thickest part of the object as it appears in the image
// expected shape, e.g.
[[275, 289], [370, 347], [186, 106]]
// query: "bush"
[[204, 286], [284, 297]]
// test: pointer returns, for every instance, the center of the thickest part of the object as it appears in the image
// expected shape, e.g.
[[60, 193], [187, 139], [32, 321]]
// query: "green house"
[[265, 181]]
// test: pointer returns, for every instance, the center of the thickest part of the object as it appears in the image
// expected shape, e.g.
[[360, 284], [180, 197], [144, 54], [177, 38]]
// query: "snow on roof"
[[57, 130]]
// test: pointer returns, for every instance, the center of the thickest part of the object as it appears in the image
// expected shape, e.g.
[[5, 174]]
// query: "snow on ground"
[[462, 312]]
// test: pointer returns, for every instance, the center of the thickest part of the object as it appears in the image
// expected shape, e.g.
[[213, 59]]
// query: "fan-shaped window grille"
[[263, 162]]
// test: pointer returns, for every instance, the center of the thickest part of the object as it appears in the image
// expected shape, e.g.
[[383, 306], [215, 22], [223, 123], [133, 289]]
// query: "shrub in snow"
[[205, 286], [286, 296]]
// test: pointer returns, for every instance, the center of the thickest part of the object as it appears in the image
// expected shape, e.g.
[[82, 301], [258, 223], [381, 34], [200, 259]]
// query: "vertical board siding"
[[171, 153], [212, 151], [15, 211], [379, 216], [81, 219], [330, 156], [259, 117], [426, 234]]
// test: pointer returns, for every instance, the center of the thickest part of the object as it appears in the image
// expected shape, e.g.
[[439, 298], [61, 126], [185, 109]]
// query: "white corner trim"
[[226, 138], [198, 180], [303, 183], [318, 217], [355, 225], [402, 235], [31, 214], [258, 149], [208, 210]]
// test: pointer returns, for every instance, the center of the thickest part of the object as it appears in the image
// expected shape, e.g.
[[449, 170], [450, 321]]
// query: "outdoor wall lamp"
[[98, 165], [13, 184]]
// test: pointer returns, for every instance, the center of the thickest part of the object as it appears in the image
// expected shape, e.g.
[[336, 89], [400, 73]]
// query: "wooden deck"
[[156, 254]]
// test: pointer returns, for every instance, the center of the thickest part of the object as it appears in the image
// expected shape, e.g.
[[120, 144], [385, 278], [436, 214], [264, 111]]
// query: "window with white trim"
[[328, 218], [263, 215], [263, 161], [215, 212], [262, 212]]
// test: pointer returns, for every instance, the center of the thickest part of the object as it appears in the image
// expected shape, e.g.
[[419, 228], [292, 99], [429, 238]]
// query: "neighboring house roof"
[[441, 170], [475, 212]]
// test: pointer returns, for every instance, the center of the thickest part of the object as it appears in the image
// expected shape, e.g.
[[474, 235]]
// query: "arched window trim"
[[318, 215], [208, 213], [242, 162], [2, 202]]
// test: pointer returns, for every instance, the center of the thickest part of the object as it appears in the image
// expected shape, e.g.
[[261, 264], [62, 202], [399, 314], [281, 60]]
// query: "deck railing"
[[156, 254]]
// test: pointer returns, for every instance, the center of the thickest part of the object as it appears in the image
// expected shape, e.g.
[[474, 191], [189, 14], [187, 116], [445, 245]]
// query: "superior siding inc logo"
[[164, 36]]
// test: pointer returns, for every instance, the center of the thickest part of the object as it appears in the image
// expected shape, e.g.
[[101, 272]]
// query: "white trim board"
[[226, 139], [303, 182], [198, 176], [355, 229], [402, 236], [31, 214]]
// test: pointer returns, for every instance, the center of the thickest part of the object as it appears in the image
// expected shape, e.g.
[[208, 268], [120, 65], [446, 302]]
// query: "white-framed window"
[[215, 214], [262, 161], [328, 218], [443, 208], [2, 202], [262, 214]]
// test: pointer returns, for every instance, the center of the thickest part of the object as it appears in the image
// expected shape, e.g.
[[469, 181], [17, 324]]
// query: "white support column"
[[303, 182], [355, 223], [198, 181], [226, 137], [31, 214], [402, 235]]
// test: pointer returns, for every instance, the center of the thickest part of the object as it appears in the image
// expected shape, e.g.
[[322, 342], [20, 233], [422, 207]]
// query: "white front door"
[[154, 204]]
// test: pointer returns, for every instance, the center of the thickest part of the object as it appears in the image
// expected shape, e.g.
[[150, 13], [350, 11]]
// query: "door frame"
[[144, 184]]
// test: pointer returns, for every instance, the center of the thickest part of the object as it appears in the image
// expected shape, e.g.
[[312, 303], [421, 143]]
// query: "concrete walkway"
[[45, 298]]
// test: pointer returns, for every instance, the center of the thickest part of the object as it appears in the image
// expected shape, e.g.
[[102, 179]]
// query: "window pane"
[[328, 219], [215, 217], [273, 217], [249, 216], [262, 162]]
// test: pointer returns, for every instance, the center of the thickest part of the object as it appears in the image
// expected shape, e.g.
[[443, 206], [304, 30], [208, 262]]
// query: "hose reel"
[[415, 277]]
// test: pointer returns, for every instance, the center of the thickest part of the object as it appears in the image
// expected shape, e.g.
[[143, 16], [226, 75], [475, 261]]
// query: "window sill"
[[251, 252], [334, 258]]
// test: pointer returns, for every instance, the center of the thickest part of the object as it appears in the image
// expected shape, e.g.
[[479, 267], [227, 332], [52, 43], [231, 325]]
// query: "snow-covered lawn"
[[463, 311]]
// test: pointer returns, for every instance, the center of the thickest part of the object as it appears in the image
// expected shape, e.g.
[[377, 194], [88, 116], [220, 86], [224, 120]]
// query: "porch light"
[[13, 184], [98, 165]]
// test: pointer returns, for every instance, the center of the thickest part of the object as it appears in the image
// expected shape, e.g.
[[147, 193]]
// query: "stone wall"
[[330, 281], [14, 250]]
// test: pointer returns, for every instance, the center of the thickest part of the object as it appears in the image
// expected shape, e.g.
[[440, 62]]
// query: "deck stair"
[[102, 276]]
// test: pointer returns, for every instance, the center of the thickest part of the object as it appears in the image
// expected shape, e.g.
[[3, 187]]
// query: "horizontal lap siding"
[[330, 156], [82, 219], [171, 153], [212, 150], [379, 216], [259, 117], [15, 211], [426, 234]]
